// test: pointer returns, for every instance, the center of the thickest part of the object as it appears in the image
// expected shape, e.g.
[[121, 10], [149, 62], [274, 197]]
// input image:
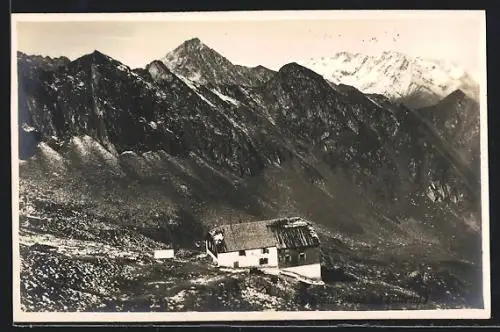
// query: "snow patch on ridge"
[[191, 85], [225, 98]]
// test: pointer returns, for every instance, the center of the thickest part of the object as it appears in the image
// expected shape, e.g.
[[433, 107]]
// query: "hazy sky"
[[271, 43]]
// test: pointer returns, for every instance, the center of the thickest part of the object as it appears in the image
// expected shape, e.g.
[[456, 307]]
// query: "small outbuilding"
[[164, 254]]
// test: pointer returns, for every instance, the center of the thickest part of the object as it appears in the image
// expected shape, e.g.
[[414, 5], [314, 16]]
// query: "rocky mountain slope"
[[158, 154], [417, 82]]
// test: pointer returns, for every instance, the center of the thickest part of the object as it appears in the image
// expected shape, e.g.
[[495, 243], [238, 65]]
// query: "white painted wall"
[[251, 259], [167, 253], [312, 271]]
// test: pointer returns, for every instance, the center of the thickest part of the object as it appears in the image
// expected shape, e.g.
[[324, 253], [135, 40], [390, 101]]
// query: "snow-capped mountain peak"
[[416, 81]]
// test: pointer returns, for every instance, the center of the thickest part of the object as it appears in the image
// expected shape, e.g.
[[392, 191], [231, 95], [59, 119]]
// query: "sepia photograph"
[[232, 166]]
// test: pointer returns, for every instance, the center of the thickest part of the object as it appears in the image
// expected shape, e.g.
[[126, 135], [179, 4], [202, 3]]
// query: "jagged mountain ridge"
[[295, 123], [417, 82], [46, 63], [199, 63], [351, 130], [97, 96], [457, 117]]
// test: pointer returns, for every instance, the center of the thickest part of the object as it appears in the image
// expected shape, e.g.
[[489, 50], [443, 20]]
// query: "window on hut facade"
[[265, 251], [288, 259], [263, 261], [242, 253], [302, 257]]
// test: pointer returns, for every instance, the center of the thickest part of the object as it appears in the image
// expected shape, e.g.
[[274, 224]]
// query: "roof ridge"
[[230, 224]]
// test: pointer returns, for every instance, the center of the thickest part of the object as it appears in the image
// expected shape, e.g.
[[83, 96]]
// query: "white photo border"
[[168, 317]]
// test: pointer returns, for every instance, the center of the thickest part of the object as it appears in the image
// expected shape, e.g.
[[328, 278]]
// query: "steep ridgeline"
[[416, 82], [32, 75], [456, 118], [391, 151], [138, 111], [277, 143], [43, 63], [199, 63]]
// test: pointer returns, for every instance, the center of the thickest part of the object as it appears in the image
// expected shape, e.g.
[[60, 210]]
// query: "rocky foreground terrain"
[[78, 258], [117, 162]]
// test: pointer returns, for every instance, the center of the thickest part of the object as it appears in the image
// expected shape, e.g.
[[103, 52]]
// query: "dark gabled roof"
[[282, 233], [250, 235]]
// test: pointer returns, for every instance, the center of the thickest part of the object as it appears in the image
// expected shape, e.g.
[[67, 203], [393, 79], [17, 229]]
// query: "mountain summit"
[[199, 63], [193, 41]]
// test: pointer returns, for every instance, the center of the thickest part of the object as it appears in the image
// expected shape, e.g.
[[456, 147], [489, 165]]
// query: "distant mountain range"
[[417, 82], [229, 142]]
